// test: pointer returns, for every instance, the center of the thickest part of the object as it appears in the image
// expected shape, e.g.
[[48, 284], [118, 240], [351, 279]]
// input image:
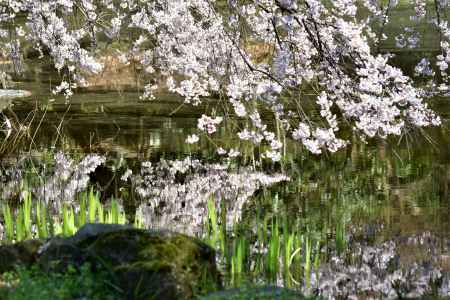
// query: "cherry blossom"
[[306, 51], [208, 124], [192, 139]]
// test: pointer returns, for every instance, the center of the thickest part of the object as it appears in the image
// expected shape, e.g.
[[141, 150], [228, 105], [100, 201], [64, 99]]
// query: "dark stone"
[[92, 231], [164, 265], [145, 264], [59, 253], [20, 254]]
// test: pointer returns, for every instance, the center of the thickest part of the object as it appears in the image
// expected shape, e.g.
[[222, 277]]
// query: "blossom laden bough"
[[202, 49]]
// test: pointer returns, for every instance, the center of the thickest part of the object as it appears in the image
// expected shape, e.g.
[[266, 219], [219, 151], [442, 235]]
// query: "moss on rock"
[[175, 262], [145, 264]]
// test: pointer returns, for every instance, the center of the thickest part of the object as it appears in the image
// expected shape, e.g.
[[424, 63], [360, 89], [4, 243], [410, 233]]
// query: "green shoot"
[[9, 224]]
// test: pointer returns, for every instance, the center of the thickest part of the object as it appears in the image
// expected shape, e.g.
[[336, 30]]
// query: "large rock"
[[155, 264], [146, 264]]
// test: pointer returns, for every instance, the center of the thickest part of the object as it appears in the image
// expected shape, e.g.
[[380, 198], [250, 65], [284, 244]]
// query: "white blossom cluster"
[[208, 124], [175, 193], [171, 193], [47, 28], [204, 48], [60, 183]]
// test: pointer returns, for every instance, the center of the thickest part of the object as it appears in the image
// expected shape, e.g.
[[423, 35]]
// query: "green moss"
[[147, 260], [150, 266]]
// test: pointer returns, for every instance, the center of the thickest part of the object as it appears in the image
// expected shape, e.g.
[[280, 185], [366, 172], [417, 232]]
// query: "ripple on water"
[[14, 94]]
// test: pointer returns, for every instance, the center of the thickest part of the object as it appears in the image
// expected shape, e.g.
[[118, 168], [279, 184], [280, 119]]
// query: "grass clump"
[[33, 283], [272, 250], [31, 220]]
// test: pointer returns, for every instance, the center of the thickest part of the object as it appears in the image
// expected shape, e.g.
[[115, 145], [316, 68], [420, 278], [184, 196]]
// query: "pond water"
[[364, 196], [394, 181]]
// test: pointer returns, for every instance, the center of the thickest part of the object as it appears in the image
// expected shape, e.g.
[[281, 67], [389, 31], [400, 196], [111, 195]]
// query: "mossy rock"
[[145, 264], [60, 253], [162, 265], [20, 254]]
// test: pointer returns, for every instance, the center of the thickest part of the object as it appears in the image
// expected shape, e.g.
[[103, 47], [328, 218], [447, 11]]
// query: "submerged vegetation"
[[33, 220], [273, 251]]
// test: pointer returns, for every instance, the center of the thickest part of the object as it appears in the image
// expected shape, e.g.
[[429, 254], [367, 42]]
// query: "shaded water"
[[110, 122]]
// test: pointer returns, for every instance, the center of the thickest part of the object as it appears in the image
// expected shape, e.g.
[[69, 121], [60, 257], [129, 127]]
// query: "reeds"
[[275, 250], [9, 223], [238, 261], [212, 226], [41, 221], [30, 220]]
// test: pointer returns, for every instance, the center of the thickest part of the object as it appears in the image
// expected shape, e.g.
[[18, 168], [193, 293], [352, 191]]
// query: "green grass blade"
[[92, 206], [212, 215], [82, 213], [27, 215], [9, 223], [114, 212], [20, 228], [100, 213], [68, 221], [41, 218]]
